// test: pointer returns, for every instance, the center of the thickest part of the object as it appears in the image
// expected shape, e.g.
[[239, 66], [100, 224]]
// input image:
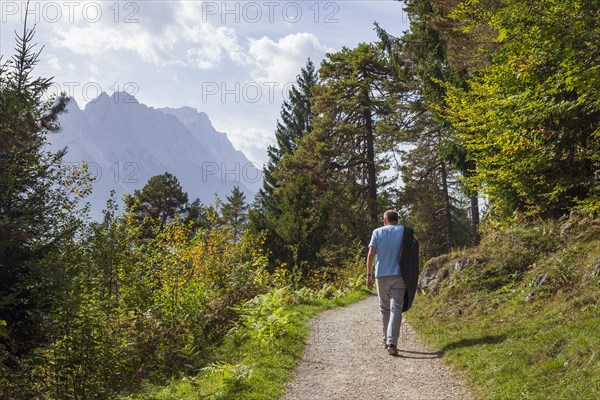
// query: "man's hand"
[[370, 262]]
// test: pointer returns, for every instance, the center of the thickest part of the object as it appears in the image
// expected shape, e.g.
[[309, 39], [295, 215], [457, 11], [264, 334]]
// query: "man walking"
[[384, 252]]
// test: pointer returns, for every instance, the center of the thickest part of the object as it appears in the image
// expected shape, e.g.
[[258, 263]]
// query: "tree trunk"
[[447, 207], [371, 173], [474, 205]]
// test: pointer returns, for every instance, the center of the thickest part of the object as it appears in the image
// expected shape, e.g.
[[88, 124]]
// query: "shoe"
[[392, 350]]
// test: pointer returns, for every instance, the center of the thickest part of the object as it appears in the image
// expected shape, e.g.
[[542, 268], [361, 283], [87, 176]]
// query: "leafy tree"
[[530, 117], [38, 199]]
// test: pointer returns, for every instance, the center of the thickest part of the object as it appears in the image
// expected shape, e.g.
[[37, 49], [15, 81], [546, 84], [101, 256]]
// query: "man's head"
[[390, 217]]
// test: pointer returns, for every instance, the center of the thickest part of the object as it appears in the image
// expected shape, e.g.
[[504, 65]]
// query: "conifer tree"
[[356, 104], [234, 211], [36, 202], [423, 52], [295, 122], [157, 203]]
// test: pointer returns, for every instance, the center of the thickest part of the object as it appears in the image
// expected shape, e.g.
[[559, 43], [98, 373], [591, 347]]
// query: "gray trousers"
[[391, 299]]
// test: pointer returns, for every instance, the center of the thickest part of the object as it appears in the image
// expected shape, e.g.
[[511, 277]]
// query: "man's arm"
[[370, 263]]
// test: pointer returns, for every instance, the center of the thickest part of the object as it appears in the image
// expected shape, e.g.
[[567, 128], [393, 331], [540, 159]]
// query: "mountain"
[[126, 142]]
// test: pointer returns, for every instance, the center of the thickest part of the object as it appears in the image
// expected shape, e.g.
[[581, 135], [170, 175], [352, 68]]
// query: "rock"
[[539, 282], [460, 265], [595, 270], [431, 276]]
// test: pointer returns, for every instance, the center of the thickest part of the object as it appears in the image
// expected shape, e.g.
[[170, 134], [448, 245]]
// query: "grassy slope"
[[522, 318], [248, 368]]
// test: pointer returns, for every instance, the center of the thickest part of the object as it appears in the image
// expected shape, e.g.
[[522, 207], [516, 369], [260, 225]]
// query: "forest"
[[484, 115]]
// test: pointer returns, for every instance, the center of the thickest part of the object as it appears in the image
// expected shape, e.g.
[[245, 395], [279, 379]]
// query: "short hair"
[[391, 216]]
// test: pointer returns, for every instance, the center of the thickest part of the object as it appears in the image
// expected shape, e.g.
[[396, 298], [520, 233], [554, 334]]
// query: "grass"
[[258, 357], [530, 333]]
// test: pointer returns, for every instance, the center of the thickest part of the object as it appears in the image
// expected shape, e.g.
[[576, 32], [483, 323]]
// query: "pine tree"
[[296, 121], [429, 65], [157, 203], [356, 107]]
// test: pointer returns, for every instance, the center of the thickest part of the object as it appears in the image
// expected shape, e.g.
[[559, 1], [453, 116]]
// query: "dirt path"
[[344, 360]]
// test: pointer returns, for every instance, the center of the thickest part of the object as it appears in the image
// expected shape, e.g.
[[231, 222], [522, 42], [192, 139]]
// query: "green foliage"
[[264, 317], [433, 161], [255, 365], [530, 118], [135, 308], [296, 121], [303, 223]]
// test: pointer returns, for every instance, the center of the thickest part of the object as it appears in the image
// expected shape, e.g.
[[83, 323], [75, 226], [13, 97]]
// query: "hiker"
[[384, 253]]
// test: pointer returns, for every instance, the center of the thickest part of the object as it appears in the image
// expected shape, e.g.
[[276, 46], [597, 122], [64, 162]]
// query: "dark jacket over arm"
[[409, 266]]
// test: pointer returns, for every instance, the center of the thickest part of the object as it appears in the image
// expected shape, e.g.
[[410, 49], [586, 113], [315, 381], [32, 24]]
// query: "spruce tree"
[[295, 122], [234, 211], [36, 206], [429, 65]]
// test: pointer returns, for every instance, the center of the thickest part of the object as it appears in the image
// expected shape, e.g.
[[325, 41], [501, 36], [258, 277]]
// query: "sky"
[[234, 60]]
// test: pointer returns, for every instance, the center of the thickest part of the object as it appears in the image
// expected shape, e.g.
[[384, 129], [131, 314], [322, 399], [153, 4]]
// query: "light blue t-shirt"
[[388, 242]]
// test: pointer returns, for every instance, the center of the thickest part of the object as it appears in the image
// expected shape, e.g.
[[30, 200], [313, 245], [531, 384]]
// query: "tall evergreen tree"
[[35, 201], [356, 105], [295, 122], [424, 53], [234, 211], [341, 160]]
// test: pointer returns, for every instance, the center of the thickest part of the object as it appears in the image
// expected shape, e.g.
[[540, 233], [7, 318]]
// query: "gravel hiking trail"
[[344, 360]]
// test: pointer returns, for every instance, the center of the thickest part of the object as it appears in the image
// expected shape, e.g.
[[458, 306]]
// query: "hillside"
[[519, 314]]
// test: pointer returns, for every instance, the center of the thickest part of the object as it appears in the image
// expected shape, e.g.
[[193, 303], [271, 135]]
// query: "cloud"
[[253, 142], [53, 62], [182, 38], [95, 40], [280, 61]]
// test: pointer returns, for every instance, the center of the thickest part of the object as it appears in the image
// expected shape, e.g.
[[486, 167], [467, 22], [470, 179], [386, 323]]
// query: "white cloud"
[[94, 40], [184, 40], [53, 62], [280, 61], [253, 142]]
